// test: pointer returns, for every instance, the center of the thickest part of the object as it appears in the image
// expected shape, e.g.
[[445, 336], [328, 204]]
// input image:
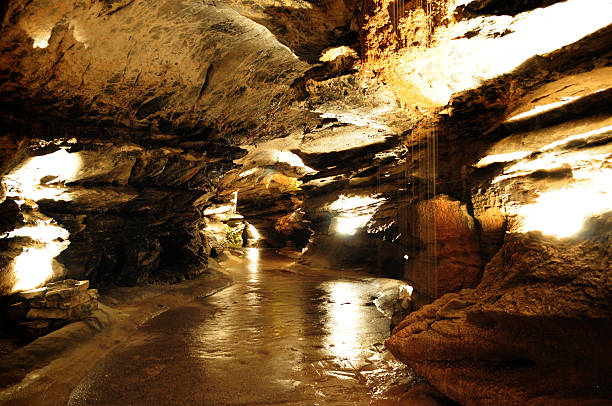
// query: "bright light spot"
[[247, 172], [349, 225], [253, 255], [541, 109], [41, 42], [548, 162], [219, 209], [42, 177], [490, 159], [292, 159], [547, 107], [253, 231], [353, 202], [346, 318], [235, 202], [332, 53], [77, 33], [41, 38], [463, 2], [459, 63], [43, 231], [405, 291], [354, 212], [40, 33], [562, 212], [581, 136], [406, 257], [34, 266]]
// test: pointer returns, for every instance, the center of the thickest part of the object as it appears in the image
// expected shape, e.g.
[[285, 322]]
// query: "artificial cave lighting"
[[42, 231], [252, 255], [463, 2], [219, 209], [331, 54], [561, 213], [541, 109], [248, 172], [34, 266], [234, 202], [550, 106], [491, 159], [41, 36], [253, 231], [575, 137], [354, 212], [293, 160], [405, 290], [78, 33], [460, 61], [42, 177], [550, 161], [342, 138]]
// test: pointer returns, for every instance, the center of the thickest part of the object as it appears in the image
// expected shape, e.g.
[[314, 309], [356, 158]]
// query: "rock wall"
[[436, 150], [534, 331], [530, 161]]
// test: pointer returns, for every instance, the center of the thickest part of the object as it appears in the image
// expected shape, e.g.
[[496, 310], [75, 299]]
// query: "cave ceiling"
[[296, 105], [464, 146]]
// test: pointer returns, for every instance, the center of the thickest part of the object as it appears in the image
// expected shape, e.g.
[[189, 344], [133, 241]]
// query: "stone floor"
[[276, 336]]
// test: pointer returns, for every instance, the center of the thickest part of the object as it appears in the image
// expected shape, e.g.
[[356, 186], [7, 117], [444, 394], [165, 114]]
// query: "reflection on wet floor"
[[276, 336]]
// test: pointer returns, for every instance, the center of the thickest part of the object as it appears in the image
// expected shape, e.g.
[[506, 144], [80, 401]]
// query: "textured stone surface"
[[37, 312], [452, 259], [535, 328], [453, 120]]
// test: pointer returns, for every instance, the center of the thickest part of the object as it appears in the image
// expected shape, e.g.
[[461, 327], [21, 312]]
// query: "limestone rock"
[[535, 329], [451, 259]]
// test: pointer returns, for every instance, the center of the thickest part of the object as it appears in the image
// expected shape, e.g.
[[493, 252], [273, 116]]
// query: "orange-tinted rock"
[[451, 258], [536, 329]]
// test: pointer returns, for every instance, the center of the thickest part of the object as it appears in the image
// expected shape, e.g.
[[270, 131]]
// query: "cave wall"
[[530, 160], [415, 139]]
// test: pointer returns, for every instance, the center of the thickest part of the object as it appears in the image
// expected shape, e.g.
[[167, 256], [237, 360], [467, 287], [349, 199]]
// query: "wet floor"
[[276, 336]]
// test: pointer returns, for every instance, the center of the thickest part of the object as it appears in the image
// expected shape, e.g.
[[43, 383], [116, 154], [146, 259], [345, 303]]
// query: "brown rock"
[[82, 310], [537, 328], [48, 313], [451, 258], [66, 289], [32, 293]]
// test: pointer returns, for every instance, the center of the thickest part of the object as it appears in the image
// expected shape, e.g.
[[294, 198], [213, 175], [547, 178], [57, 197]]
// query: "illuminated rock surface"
[[534, 330], [460, 146]]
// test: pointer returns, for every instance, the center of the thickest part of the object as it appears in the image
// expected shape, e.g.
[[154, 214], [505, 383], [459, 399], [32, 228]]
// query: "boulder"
[[536, 329]]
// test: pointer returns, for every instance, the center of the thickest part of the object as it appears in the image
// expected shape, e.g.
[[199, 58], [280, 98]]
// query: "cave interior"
[[460, 150]]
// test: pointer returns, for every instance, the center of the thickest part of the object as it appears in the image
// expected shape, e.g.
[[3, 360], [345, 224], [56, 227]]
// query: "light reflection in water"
[[252, 255], [346, 320]]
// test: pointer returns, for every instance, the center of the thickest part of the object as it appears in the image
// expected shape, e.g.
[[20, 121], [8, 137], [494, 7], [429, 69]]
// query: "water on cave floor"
[[276, 336]]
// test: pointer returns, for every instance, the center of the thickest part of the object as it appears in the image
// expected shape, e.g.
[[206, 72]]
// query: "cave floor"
[[278, 335]]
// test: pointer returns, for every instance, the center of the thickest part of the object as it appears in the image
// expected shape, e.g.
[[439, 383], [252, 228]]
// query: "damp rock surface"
[[534, 330], [277, 335]]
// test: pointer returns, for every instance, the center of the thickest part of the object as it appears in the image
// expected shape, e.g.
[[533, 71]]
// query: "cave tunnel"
[[356, 202]]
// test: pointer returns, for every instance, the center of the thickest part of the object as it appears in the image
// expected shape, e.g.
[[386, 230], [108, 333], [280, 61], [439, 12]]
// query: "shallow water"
[[276, 336]]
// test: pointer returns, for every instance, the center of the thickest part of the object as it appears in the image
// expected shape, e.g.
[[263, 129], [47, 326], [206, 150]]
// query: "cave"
[[305, 202]]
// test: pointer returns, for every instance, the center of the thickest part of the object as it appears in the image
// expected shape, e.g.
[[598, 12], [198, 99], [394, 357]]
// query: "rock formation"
[[463, 146]]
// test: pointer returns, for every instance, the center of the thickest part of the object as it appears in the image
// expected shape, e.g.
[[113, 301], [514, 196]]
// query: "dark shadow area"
[[504, 7]]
